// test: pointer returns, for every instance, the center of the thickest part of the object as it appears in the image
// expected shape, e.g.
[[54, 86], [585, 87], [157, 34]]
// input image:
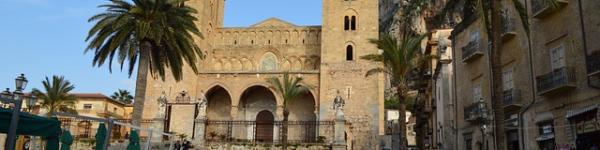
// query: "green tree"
[[57, 97], [155, 34], [399, 59], [289, 88], [122, 96]]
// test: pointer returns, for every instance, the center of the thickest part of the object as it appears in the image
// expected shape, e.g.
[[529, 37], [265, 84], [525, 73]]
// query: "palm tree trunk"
[[497, 104], [284, 136], [402, 119], [140, 85]]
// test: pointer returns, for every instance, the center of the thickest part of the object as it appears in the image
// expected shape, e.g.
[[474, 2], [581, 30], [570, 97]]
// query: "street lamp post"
[[16, 98]]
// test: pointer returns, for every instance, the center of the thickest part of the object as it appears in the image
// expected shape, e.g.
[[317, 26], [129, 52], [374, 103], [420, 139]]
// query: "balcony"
[[542, 8], [471, 51], [105, 113], [511, 99], [508, 28], [475, 112], [511, 123], [559, 80]]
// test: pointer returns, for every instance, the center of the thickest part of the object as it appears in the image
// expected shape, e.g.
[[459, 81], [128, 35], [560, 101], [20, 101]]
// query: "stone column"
[[339, 140], [157, 125], [200, 128]]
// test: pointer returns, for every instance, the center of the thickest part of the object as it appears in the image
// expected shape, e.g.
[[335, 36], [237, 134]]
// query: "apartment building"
[[566, 52]]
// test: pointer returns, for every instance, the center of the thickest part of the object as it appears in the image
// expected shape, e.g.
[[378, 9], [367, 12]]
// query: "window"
[[507, 80], [346, 23], [353, 23], [477, 96], [474, 36], [557, 57], [349, 53], [87, 106]]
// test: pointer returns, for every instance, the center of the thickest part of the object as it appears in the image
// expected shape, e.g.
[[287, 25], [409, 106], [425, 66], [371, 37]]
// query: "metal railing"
[[557, 78], [511, 97], [508, 25], [538, 6], [474, 111], [256, 132], [470, 50], [86, 129]]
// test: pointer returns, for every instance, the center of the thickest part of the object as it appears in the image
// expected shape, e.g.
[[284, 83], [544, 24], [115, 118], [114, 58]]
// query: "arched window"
[[353, 23], [349, 53], [268, 62], [346, 23]]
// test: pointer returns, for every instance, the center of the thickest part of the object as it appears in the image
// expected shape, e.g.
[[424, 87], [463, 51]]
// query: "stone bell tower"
[[347, 27]]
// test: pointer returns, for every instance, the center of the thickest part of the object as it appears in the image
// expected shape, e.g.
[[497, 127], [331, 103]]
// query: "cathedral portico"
[[241, 106]]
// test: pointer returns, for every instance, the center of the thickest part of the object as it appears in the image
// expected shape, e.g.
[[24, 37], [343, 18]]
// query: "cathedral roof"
[[273, 22]]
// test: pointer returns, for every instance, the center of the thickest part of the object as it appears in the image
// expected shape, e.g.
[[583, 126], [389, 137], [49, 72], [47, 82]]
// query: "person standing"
[[177, 145]]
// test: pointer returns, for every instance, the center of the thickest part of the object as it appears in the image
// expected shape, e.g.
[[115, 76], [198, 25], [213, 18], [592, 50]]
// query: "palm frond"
[[166, 26]]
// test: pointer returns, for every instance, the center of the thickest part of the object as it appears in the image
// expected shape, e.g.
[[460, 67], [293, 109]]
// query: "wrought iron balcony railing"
[[511, 98], [541, 8], [475, 112], [558, 80], [593, 64], [471, 51], [508, 28]]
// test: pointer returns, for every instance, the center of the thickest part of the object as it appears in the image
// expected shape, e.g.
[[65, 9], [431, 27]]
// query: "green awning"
[[33, 125]]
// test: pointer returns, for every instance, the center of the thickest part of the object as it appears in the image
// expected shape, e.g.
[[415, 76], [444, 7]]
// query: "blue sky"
[[46, 37]]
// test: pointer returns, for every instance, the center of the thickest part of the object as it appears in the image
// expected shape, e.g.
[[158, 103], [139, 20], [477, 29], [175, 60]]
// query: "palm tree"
[[157, 34], [289, 88], [57, 97], [398, 59], [122, 96]]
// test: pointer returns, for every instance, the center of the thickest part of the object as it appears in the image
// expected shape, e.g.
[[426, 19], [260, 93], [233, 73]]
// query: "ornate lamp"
[[31, 100], [6, 94], [20, 82]]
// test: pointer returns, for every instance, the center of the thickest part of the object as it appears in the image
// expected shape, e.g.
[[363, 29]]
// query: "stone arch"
[[350, 51], [350, 19], [308, 64], [286, 65], [217, 65], [278, 98], [296, 64], [268, 62], [246, 64], [219, 102], [236, 64], [226, 64]]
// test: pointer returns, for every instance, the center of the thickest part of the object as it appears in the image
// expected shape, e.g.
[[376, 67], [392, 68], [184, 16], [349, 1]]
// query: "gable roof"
[[272, 22]]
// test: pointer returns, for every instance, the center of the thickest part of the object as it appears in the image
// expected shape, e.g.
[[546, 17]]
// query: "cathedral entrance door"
[[264, 126]]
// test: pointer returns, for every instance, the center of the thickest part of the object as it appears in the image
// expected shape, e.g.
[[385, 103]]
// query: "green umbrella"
[[134, 141], [66, 140], [100, 137]]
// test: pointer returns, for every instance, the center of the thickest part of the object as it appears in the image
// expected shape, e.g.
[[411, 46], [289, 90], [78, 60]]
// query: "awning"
[[579, 111], [545, 116]]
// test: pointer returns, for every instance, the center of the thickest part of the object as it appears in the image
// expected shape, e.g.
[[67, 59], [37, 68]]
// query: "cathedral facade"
[[230, 99]]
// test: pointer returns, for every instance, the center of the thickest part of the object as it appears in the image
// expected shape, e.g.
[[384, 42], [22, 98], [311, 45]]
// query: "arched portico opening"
[[219, 104], [218, 113], [303, 118], [255, 102]]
